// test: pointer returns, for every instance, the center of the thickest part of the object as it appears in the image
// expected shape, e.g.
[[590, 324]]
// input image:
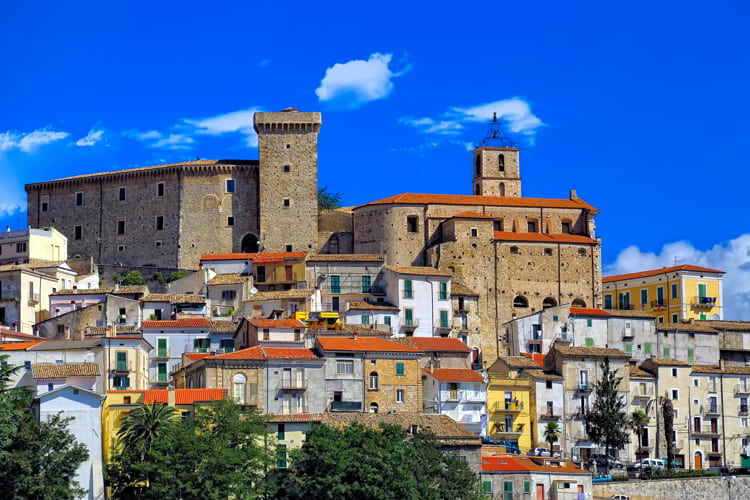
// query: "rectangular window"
[[230, 185], [399, 395], [660, 296], [691, 356], [647, 348], [387, 320], [408, 292], [555, 317], [412, 223], [666, 353], [77, 232], [162, 348], [588, 322], [45, 203], [280, 432], [201, 345], [408, 317], [27, 365], [608, 301], [122, 361], [365, 319], [628, 347], [228, 294], [644, 297], [254, 389], [162, 367], [335, 284], [661, 320], [366, 284], [507, 490], [345, 366], [159, 222], [281, 456], [20, 247], [444, 319], [589, 342], [527, 487], [625, 300], [399, 368], [675, 394], [566, 227], [701, 290], [122, 194], [227, 345], [120, 227], [532, 226], [487, 486], [230, 221], [160, 189], [79, 199], [497, 225], [674, 290], [674, 318]]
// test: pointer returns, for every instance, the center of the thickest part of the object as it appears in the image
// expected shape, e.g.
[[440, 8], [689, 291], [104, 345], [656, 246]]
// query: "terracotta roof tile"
[[293, 294], [514, 362], [361, 305], [224, 326], [725, 325], [588, 311], [419, 271], [543, 237], [662, 362], [264, 352], [63, 370], [18, 346], [455, 375], [277, 323], [536, 357], [196, 356], [445, 428], [179, 323], [31, 265], [514, 463], [374, 344], [254, 256], [453, 199], [228, 279], [656, 272], [728, 370], [685, 327], [6, 332], [183, 396], [351, 257], [599, 352], [543, 375], [434, 344], [123, 290], [636, 372], [174, 298]]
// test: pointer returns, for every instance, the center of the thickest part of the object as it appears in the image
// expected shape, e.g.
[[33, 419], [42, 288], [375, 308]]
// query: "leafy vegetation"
[[551, 433], [607, 422], [131, 278], [158, 277], [177, 275], [328, 200], [37, 459]]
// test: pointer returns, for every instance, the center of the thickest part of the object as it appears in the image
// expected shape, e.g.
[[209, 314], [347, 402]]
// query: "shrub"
[[158, 276], [177, 275]]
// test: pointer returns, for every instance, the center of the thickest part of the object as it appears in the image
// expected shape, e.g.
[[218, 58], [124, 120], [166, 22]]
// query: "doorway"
[[539, 492], [249, 243], [698, 461]]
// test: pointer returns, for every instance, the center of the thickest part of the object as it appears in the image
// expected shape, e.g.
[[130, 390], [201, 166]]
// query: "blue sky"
[[641, 108]]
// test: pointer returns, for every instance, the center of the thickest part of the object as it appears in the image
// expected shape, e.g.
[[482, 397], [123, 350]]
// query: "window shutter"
[[335, 284], [444, 319], [399, 368]]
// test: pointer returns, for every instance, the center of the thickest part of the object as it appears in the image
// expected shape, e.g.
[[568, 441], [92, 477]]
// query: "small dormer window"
[[532, 226]]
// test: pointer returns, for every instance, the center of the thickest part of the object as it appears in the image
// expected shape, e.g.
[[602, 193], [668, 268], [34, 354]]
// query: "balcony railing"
[[742, 410], [647, 393], [553, 413], [293, 385], [411, 324], [122, 367], [741, 390], [509, 406], [627, 332], [711, 410], [461, 310], [346, 406], [626, 307], [33, 298], [584, 386], [440, 326], [295, 410], [272, 278], [161, 354], [707, 302], [657, 304], [705, 430]]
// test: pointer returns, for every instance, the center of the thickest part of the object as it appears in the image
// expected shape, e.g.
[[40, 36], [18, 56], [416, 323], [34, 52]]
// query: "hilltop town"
[[483, 317]]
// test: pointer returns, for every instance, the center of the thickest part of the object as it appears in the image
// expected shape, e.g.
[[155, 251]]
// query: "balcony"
[[626, 307], [272, 278], [703, 302], [646, 393], [627, 333], [647, 446], [160, 380], [161, 355], [346, 406], [461, 310], [122, 367], [501, 429], [508, 406], [443, 327], [33, 298], [584, 387], [410, 325], [711, 410], [554, 413], [294, 411], [705, 430], [566, 336], [742, 411], [679, 444], [657, 305], [741, 390], [293, 385], [580, 412]]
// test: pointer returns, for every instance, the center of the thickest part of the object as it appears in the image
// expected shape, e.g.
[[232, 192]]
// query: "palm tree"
[[638, 422], [144, 425], [551, 433]]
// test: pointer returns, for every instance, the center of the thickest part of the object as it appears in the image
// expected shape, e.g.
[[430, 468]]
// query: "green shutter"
[[408, 289], [162, 372], [253, 389], [588, 322], [443, 291], [387, 320], [444, 319], [527, 487], [280, 433], [608, 302], [366, 284], [365, 319], [691, 356], [666, 353], [703, 316], [554, 317], [408, 317], [647, 348], [335, 284], [644, 296], [487, 486], [126, 381], [674, 291], [399, 368], [589, 342], [507, 490], [701, 290], [122, 361], [162, 347], [628, 348], [281, 456]]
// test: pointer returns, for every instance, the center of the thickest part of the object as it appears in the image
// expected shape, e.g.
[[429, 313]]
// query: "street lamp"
[[729, 481]]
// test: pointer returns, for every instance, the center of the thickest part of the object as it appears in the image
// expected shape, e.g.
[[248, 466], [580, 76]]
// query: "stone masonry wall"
[[709, 488], [490, 178], [389, 382], [73, 323]]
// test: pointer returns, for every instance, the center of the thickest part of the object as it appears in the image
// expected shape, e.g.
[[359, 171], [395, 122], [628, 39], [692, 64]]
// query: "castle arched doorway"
[[249, 243]]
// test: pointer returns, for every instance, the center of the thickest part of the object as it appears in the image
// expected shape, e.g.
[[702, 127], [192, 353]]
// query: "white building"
[[85, 407], [228, 263], [423, 295], [380, 315], [162, 306], [458, 393], [546, 398]]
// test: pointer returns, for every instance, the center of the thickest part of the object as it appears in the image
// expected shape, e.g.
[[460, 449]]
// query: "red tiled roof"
[[663, 270], [439, 344], [182, 396], [195, 356], [277, 323], [361, 344], [263, 352], [178, 323], [588, 311], [544, 237], [254, 256], [455, 375], [19, 346], [536, 357], [5, 332], [507, 463], [457, 199]]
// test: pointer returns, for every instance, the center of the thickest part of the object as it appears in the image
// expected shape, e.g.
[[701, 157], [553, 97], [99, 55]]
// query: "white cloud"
[[173, 141], [515, 111], [233, 122], [356, 82], [29, 142], [91, 138], [732, 257], [430, 126]]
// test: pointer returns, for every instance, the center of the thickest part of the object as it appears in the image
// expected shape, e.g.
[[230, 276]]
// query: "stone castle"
[[517, 254]]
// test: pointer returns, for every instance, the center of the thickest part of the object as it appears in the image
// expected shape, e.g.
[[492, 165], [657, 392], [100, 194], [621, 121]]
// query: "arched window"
[[239, 388], [501, 163], [373, 381], [549, 302], [515, 250], [502, 189], [249, 243], [582, 252], [479, 165], [373, 407], [520, 301], [579, 303]]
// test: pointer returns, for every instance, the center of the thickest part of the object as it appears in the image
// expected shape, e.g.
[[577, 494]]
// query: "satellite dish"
[[253, 290]]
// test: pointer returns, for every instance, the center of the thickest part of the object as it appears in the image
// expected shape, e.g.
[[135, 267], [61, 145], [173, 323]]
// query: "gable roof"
[[358, 344], [727, 370], [174, 298], [196, 356], [182, 396], [656, 272], [536, 357], [346, 257], [19, 346], [277, 323], [719, 324], [123, 290], [179, 323], [63, 370], [597, 352], [293, 294], [543, 237], [588, 311], [361, 305], [542, 374], [636, 372], [419, 271], [513, 463], [685, 327], [513, 362], [454, 375], [265, 352], [499, 201], [228, 279], [434, 344], [68, 387]]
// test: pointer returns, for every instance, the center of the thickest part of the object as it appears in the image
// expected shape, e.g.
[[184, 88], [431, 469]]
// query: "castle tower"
[[496, 164], [287, 149]]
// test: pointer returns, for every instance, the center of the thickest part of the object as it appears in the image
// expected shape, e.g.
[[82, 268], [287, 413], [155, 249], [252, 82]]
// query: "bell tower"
[[496, 167]]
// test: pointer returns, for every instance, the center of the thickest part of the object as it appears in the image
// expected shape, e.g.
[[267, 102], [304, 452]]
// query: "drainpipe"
[[723, 419]]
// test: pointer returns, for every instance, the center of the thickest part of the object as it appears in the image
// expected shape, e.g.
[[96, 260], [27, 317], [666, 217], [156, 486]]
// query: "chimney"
[[117, 285], [171, 397], [354, 335], [573, 194]]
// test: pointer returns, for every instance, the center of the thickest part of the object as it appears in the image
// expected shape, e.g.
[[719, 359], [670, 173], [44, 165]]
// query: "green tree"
[[177, 275], [328, 200], [133, 278], [364, 463], [158, 276], [639, 420], [219, 453], [551, 433], [607, 422], [144, 425], [37, 459]]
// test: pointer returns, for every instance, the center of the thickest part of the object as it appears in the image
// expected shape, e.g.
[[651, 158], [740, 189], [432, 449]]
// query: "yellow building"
[[278, 271], [120, 403], [28, 245], [509, 405], [126, 362], [670, 294]]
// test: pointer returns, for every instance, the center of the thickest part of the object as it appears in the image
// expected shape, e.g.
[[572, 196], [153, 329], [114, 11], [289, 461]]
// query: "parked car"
[[649, 462], [675, 463], [603, 460], [510, 446], [540, 452], [620, 497], [602, 478]]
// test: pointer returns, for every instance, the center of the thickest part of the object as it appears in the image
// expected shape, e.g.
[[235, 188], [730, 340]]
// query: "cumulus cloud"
[[430, 126], [515, 112], [351, 84], [94, 136], [232, 122], [733, 257], [30, 141], [173, 141]]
